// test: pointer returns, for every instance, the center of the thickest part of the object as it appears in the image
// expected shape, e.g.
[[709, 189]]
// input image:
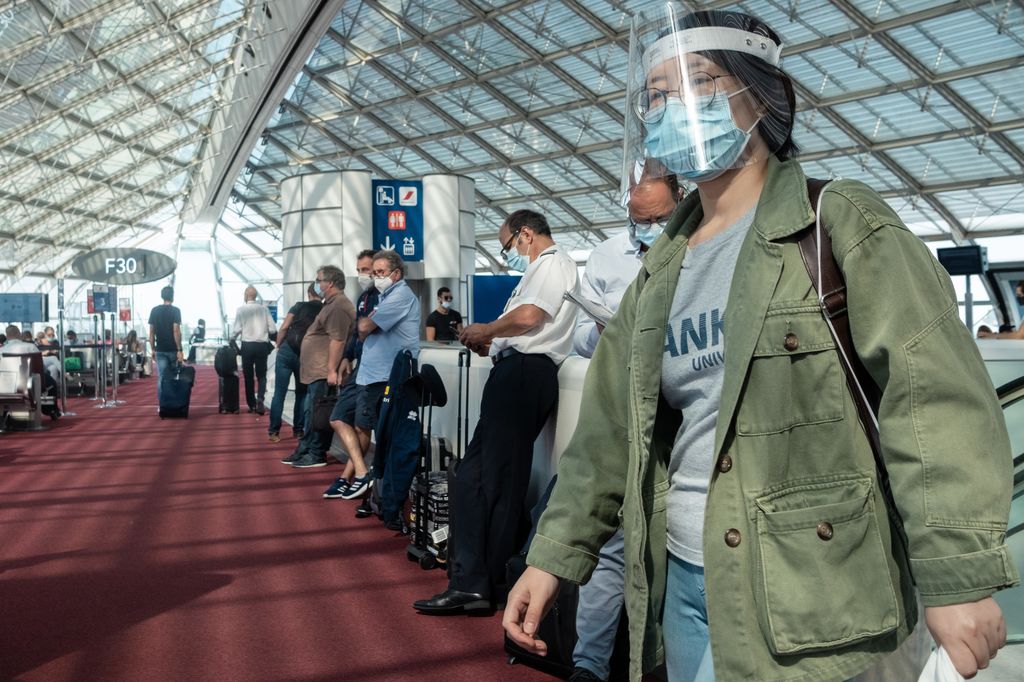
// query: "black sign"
[[123, 266]]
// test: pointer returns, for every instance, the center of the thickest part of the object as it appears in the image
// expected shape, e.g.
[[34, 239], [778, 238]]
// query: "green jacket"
[[806, 576]]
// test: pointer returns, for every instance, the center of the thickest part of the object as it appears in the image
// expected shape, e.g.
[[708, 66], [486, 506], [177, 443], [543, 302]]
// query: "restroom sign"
[[398, 207]]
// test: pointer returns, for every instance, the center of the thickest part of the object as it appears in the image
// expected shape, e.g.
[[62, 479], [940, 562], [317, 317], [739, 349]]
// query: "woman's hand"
[[970, 633], [528, 602]]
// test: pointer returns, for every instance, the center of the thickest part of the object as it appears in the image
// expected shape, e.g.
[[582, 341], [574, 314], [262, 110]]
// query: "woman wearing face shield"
[[717, 426]]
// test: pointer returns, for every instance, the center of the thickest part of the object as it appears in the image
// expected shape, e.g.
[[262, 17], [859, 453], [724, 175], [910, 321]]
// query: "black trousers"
[[489, 519], [254, 368]]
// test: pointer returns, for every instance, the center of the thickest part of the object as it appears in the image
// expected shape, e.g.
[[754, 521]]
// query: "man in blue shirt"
[[393, 327]]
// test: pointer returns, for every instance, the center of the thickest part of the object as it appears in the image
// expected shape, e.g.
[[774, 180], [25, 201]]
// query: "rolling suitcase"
[[225, 362], [228, 394], [429, 490], [176, 392], [461, 445]]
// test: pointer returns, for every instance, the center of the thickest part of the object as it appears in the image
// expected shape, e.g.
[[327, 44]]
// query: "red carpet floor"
[[138, 549]]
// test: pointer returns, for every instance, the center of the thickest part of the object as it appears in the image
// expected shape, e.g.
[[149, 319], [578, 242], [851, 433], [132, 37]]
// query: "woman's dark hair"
[[769, 84]]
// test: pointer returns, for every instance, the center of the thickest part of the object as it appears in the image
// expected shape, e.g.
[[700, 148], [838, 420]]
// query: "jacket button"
[[791, 342], [732, 537], [725, 464], [825, 531]]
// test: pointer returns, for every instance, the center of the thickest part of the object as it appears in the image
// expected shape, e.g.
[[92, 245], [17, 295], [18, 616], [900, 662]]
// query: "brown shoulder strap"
[[833, 297]]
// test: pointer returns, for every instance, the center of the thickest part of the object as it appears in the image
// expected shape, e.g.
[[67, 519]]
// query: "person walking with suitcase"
[[254, 325], [165, 335]]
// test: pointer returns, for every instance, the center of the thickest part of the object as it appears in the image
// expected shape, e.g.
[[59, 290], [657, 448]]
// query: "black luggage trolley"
[[429, 490]]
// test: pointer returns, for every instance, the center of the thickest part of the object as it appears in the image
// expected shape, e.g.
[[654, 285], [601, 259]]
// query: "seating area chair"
[[21, 381]]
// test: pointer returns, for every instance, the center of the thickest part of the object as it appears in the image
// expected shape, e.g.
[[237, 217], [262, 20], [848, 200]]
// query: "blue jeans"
[[685, 624], [285, 368], [312, 442], [165, 360], [599, 609]]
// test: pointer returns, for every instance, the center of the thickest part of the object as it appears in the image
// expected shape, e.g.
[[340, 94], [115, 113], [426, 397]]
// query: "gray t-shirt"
[[691, 380]]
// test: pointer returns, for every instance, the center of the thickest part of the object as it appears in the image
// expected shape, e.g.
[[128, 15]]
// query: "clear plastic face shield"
[[686, 114]]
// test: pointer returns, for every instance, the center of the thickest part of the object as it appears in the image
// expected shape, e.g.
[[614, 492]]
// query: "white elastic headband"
[[711, 38]]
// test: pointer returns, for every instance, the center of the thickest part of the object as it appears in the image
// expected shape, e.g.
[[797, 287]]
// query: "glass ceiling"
[[105, 107]]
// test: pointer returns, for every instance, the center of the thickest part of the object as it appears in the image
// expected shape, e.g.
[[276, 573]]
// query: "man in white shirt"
[[526, 345], [611, 268], [254, 325]]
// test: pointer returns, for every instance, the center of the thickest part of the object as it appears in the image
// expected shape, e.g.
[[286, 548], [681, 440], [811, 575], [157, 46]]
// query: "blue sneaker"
[[357, 487], [336, 489]]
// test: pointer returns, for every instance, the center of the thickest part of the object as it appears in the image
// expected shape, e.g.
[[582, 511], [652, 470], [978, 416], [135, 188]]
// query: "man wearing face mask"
[[526, 345], [444, 323], [611, 267], [320, 360], [393, 327], [343, 418], [613, 263]]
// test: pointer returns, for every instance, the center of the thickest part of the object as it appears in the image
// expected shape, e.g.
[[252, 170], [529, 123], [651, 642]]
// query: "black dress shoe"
[[261, 409], [453, 601]]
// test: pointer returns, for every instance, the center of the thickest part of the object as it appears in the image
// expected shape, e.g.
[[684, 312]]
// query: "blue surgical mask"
[[646, 233], [672, 141], [317, 289], [446, 305], [517, 261]]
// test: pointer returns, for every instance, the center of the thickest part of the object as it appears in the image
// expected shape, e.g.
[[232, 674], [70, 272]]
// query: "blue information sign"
[[398, 217], [104, 298]]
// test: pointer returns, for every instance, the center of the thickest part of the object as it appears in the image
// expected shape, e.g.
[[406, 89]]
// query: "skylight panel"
[[902, 115], [814, 132], [364, 83], [586, 126], [367, 29], [549, 26], [843, 68], [471, 105], [429, 16], [418, 68], [955, 160], [601, 70], [800, 22], [996, 96], [960, 39], [412, 119], [480, 49], [536, 88]]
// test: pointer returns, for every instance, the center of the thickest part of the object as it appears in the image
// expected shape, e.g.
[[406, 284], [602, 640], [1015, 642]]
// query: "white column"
[[449, 238], [325, 220]]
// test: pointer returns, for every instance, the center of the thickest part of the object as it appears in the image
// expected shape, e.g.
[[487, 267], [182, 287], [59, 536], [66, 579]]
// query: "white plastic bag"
[[939, 668]]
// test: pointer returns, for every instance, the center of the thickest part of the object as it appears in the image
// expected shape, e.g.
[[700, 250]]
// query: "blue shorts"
[[359, 406]]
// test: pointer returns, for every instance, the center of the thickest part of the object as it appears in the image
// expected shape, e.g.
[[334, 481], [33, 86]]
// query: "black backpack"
[[300, 323]]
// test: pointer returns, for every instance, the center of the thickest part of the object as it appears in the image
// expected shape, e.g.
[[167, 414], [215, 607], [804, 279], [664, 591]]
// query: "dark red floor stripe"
[[133, 548]]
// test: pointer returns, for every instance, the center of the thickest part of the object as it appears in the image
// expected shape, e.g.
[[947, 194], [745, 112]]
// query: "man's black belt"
[[503, 354]]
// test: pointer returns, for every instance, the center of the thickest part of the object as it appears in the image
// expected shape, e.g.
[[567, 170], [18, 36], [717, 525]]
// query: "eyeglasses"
[[508, 245], [382, 273], [649, 104], [658, 223], [446, 298]]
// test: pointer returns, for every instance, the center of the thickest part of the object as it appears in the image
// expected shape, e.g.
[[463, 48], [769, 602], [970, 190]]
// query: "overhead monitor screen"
[[24, 308]]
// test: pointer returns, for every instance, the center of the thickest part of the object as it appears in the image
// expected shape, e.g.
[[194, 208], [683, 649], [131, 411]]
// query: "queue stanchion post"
[[97, 365], [62, 354], [115, 363]]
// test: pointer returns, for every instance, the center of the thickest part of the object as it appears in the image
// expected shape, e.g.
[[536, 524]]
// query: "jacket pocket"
[[823, 577], [794, 376]]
